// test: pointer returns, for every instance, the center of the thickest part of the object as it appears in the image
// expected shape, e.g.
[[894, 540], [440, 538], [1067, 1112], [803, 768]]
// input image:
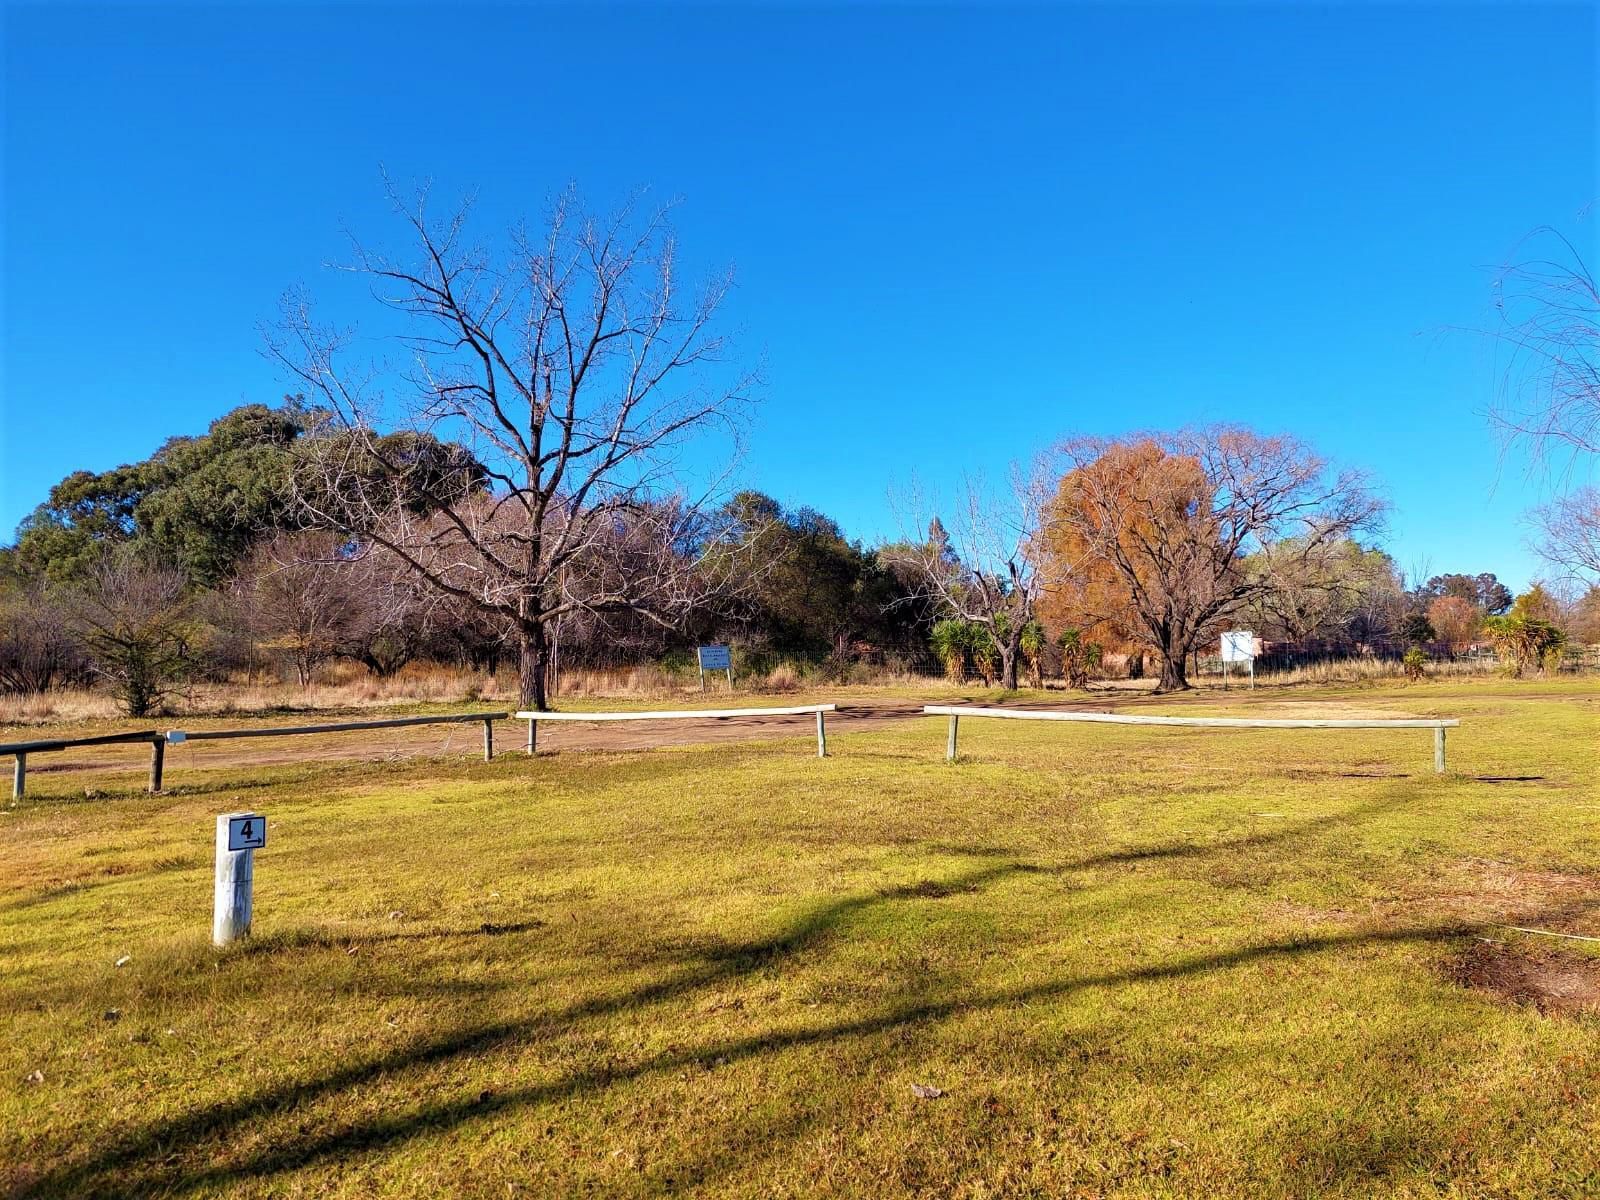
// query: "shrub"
[[1079, 659], [1524, 641], [1415, 663]]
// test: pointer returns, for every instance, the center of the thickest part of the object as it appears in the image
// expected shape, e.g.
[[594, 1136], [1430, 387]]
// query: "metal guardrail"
[[533, 718], [956, 712]]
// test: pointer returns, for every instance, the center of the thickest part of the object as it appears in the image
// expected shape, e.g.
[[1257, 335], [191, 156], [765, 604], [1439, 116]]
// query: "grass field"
[[1172, 962]]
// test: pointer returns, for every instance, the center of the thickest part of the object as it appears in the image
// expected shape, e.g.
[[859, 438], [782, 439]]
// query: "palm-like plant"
[[951, 641]]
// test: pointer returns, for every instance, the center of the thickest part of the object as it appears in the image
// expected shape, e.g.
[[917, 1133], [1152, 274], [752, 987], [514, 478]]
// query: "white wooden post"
[[231, 899], [533, 735], [822, 737], [950, 747], [488, 741], [19, 777], [1438, 750]]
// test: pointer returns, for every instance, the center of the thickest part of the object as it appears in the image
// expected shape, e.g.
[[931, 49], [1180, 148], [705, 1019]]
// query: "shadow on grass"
[[128, 1167], [142, 1162]]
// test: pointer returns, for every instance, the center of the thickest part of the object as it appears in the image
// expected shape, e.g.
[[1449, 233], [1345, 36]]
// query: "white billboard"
[[1238, 645]]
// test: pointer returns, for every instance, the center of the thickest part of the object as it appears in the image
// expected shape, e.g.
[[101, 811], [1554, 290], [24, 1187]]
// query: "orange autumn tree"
[[1167, 535], [1092, 594]]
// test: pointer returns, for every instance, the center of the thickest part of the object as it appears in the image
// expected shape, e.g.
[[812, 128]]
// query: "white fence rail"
[[802, 710], [956, 712]]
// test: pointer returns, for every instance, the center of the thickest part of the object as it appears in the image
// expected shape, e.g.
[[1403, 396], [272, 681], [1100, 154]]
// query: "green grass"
[[1171, 962]]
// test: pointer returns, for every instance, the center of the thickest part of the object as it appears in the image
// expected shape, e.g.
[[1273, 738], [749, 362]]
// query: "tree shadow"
[[322, 939], [141, 1162], [128, 1163]]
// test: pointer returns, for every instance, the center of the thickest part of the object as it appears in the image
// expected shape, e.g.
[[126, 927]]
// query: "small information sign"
[[715, 658], [247, 831]]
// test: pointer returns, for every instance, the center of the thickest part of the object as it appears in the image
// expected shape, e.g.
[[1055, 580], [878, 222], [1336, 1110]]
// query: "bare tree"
[[136, 622], [575, 367], [1549, 305], [37, 648], [1455, 621], [1567, 532], [302, 596], [984, 565], [393, 611], [1185, 529]]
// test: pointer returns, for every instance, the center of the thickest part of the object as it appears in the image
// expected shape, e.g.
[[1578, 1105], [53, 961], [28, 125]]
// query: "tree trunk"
[[1008, 669], [533, 661], [1173, 676]]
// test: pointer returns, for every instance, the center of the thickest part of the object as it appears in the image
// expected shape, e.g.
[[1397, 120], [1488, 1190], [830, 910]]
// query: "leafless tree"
[[1567, 532], [1549, 305], [575, 366], [1180, 531], [136, 621], [301, 594], [37, 648], [393, 611], [984, 565]]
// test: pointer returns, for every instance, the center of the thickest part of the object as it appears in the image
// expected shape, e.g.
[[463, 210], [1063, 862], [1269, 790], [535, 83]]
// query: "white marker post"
[[239, 836]]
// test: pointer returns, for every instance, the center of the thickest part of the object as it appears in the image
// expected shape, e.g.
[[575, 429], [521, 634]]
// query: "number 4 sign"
[[246, 831]]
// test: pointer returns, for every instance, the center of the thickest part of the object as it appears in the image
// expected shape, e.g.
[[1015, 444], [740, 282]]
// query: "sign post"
[[1238, 645], [714, 658], [239, 836]]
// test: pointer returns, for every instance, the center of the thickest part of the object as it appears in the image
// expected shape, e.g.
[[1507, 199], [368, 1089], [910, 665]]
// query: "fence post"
[[1438, 749], [231, 899], [488, 741], [822, 737], [19, 777], [950, 746], [533, 735], [158, 751]]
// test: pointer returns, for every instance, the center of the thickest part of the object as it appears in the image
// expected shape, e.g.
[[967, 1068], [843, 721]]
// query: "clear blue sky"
[[959, 233]]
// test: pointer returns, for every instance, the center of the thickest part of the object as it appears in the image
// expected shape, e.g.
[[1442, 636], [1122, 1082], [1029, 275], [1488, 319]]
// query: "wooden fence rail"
[[803, 710], [176, 737], [20, 751], [956, 712]]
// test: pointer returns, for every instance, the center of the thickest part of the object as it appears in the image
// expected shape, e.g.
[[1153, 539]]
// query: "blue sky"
[[959, 233]]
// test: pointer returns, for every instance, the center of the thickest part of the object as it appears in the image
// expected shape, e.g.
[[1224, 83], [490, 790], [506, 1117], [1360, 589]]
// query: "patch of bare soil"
[[1553, 981]]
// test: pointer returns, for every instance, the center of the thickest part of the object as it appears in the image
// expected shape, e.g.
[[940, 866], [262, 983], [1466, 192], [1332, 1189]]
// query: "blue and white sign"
[[246, 831], [715, 658]]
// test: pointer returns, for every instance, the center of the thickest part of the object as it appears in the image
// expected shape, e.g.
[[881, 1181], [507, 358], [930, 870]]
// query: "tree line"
[[518, 496]]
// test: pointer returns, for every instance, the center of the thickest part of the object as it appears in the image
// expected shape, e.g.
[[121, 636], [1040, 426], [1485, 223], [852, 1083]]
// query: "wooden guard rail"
[[159, 741], [956, 712], [178, 736], [719, 714], [21, 750]]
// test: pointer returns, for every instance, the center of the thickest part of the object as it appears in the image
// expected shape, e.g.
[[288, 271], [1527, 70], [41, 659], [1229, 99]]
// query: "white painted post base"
[[950, 746], [231, 898], [1438, 751], [822, 738]]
